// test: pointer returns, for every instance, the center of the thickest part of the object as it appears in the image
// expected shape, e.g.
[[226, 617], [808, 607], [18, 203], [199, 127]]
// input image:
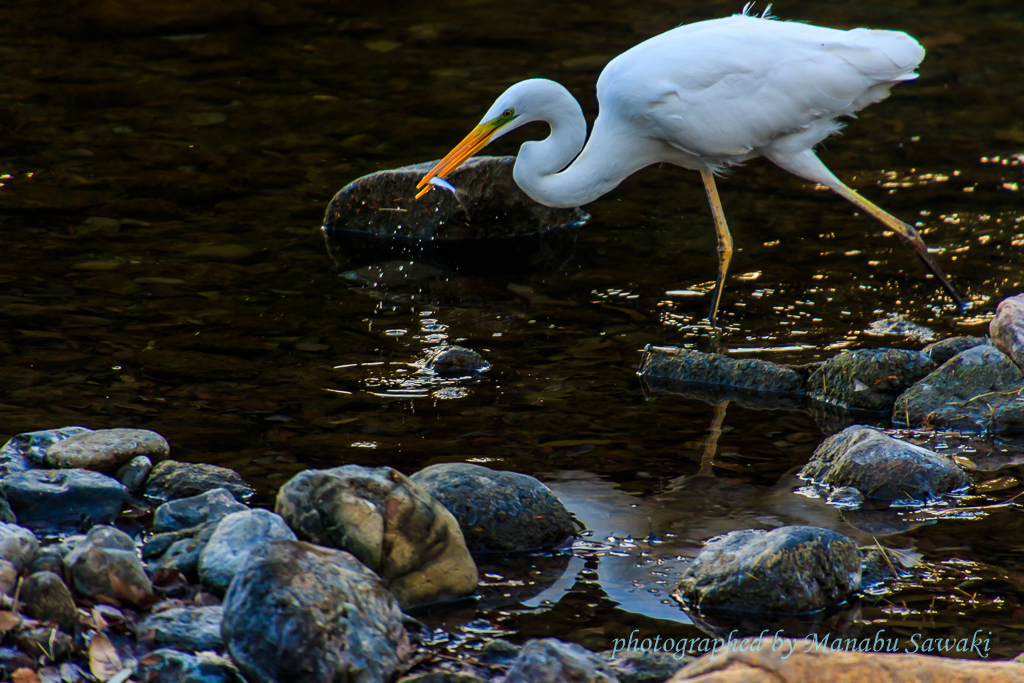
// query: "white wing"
[[725, 88]]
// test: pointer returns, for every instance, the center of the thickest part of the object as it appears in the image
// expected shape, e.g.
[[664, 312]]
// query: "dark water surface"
[[164, 174]]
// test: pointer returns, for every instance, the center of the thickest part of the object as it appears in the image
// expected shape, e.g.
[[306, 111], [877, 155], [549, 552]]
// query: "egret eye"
[[508, 113]]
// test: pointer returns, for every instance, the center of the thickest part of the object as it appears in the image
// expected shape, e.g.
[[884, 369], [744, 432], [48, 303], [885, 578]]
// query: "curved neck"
[[541, 167]]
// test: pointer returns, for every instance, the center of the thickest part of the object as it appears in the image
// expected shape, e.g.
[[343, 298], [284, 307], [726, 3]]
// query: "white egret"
[[705, 96]]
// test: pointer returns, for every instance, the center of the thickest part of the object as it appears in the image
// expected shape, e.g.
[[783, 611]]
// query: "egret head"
[[522, 103]]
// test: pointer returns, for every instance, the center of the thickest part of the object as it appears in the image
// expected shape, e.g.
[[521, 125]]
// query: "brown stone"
[[1007, 329], [781, 666]]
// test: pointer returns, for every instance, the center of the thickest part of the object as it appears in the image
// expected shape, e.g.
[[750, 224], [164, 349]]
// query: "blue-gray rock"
[[27, 450], [184, 513], [236, 536], [8, 578], [791, 569], [1007, 329], [640, 666], [978, 390], [48, 559], [179, 550], [551, 661], [944, 349], [134, 473], [171, 480], [171, 666], [105, 449], [60, 500], [868, 379], [46, 597], [300, 612], [442, 677], [882, 468], [105, 567], [6, 513], [389, 523], [190, 629], [498, 511], [18, 545]]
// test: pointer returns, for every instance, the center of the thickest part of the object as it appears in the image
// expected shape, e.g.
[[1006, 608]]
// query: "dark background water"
[[165, 169]]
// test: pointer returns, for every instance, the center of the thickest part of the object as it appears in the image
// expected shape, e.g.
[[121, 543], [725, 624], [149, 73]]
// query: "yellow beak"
[[469, 146]]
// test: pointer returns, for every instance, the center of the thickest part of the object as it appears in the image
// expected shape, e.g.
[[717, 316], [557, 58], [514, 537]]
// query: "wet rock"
[[48, 559], [882, 468], [179, 550], [46, 597], [759, 661], [8, 578], [490, 224], [442, 677], [637, 666], [977, 390], [27, 450], [184, 513], [53, 500], [134, 473], [943, 350], [299, 612], [498, 511], [499, 653], [190, 629], [895, 325], [6, 513], [18, 545], [685, 367], [46, 642], [787, 570], [171, 666], [387, 521], [455, 361], [104, 567], [551, 661], [1007, 329], [171, 480], [236, 536], [868, 379], [12, 659], [105, 449]]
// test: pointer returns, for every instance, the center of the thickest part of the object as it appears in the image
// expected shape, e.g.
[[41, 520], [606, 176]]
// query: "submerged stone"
[[791, 569], [489, 223], [688, 368], [868, 379], [498, 511], [455, 361], [881, 467], [978, 390]]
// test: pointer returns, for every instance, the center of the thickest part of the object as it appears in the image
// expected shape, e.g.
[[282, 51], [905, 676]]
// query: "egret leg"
[[906, 233], [724, 242], [806, 164]]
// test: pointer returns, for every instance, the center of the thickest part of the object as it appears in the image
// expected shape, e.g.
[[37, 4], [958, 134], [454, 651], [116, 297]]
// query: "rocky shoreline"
[[119, 563]]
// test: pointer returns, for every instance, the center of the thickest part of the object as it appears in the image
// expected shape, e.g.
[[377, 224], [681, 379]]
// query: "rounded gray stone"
[[184, 513], [191, 629], [236, 536], [881, 467], [105, 449], [300, 612], [498, 511], [105, 567], [551, 661], [18, 545], [47, 598], [134, 473], [171, 480], [792, 569], [58, 500]]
